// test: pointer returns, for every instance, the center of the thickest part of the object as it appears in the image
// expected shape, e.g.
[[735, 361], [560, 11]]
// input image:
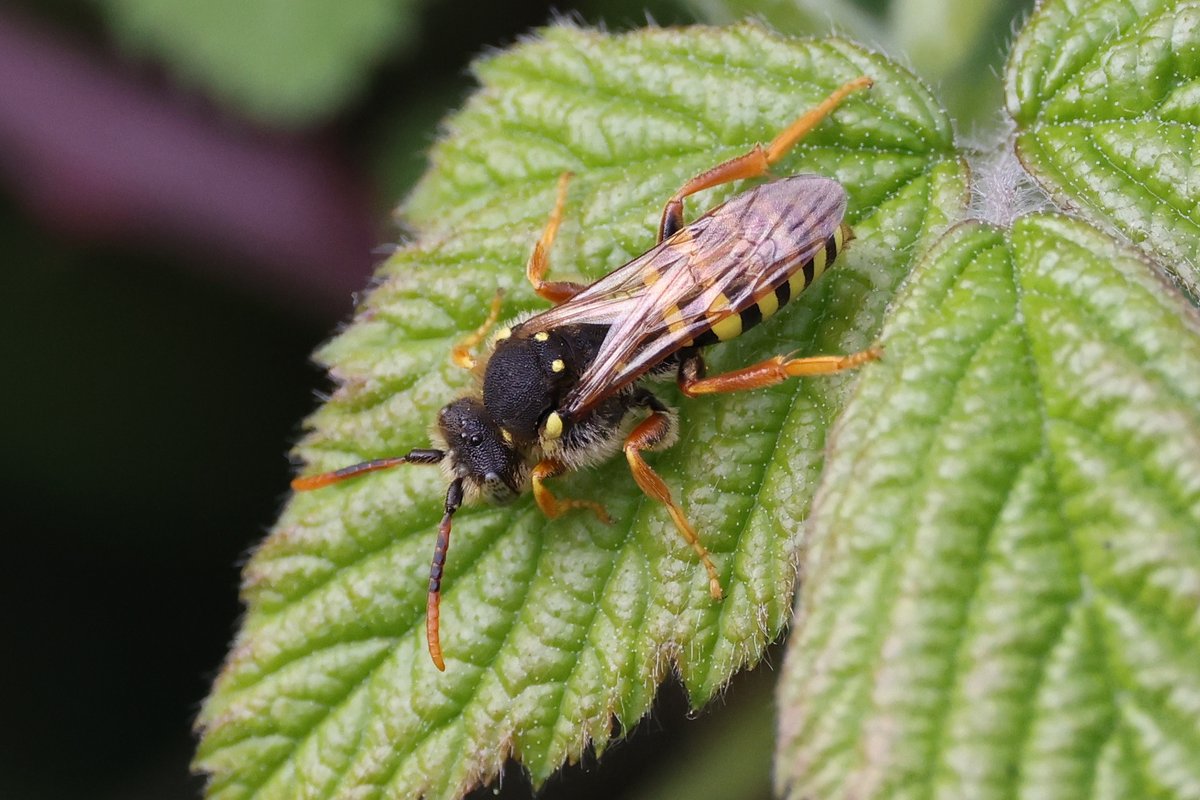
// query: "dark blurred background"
[[190, 195]]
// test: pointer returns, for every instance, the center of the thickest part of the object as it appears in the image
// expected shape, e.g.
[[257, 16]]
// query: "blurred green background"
[[190, 194]]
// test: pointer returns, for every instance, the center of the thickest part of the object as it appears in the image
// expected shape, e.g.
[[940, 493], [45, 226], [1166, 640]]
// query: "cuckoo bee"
[[564, 389]]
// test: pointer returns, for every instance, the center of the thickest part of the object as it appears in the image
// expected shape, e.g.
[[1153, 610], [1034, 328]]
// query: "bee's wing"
[[718, 266], [611, 298]]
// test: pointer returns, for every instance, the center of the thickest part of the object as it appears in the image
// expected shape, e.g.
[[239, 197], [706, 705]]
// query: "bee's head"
[[479, 453]]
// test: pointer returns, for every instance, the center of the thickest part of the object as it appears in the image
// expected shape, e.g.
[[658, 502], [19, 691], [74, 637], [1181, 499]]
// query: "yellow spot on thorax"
[[541, 336], [557, 365], [554, 425]]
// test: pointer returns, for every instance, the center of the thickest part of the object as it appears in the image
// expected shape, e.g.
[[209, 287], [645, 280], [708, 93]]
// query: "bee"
[[563, 389]]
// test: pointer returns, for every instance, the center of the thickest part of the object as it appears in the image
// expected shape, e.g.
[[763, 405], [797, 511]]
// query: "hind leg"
[[755, 163]]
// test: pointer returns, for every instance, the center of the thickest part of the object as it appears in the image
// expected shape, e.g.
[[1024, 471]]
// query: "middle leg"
[[652, 432], [539, 261], [766, 373]]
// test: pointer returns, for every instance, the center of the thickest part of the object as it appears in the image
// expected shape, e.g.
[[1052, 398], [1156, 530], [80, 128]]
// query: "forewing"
[[718, 266], [612, 298]]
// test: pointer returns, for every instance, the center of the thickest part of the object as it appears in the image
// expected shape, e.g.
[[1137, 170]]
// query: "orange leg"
[[309, 482], [552, 506], [755, 163], [433, 605], [461, 355], [554, 291], [650, 432], [767, 373]]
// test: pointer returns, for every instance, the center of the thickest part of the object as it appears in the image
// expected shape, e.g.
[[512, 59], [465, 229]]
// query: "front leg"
[[552, 506]]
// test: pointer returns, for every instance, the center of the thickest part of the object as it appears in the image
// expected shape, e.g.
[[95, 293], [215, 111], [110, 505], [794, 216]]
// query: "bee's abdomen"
[[736, 324]]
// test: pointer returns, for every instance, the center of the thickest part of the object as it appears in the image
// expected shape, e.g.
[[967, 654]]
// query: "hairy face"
[[478, 452]]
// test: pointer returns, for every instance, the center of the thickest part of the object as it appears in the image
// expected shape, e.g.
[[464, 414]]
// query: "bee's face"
[[477, 451]]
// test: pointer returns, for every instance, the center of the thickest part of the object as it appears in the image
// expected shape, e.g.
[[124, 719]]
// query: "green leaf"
[[1105, 96], [796, 16], [1002, 592], [958, 47], [554, 629], [285, 63], [727, 754]]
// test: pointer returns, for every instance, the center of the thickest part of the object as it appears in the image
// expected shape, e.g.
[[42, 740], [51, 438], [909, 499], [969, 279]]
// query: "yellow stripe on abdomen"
[[728, 328], [766, 306], [799, 280]]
